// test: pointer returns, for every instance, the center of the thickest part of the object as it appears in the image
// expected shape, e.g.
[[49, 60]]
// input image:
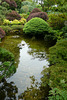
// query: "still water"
[[30, 57]]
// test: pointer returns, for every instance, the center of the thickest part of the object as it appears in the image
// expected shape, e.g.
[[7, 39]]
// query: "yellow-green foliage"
[[22, 21], [14, 22], [6, 22]]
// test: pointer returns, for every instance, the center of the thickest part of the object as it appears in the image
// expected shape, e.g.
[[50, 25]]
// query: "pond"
[[30, 57]]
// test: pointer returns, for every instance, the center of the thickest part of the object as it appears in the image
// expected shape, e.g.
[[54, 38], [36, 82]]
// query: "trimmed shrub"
[[12, 3], [6, 28], [6, 22], [35, 10], [13, 15], [57, 20], [14, 22], [2, 33], [17, 27], [42, 15], [36, 26]]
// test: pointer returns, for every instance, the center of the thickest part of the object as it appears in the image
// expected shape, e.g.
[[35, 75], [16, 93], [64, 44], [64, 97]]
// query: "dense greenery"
[[36, 26], [57, 20], [6, 55], [54, 78], [7, 67], [13, 15]]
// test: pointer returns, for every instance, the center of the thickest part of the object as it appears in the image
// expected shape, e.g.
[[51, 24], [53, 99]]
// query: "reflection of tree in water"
[[7, 90], [36, 91], [37, 54], [37, 48]]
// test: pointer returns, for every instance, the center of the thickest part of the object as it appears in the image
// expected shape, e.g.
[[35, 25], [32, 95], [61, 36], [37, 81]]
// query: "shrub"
[[17, 27], [25, 3], [36, 26], [13, 15], [22, 21], [38, 6], [15, 22], [55, 75], [6, 22], [58, 52], [35, 10], [23, 15], [12, 3], [27, 6], [24, 9], [2, 33], [7, 69], [6, 28], [12, 29], [42, 15], [5, 55], [5, 4], [57, 20], [64, 29]]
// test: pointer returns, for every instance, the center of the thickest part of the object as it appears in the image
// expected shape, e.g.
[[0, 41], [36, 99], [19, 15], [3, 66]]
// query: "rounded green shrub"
[[36, 26]]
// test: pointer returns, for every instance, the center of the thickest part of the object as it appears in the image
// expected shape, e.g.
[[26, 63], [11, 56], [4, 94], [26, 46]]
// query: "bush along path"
[[7, 67]]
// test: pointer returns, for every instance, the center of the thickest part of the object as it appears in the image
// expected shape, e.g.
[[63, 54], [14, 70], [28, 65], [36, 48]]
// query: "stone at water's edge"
[[2, 33]]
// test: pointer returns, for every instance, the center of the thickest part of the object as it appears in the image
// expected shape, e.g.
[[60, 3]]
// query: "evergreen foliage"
[[36, 26]]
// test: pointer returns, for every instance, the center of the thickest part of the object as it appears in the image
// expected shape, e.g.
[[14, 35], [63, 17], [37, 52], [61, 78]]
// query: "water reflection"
[[10, 43], [7, 90], [30, 57]]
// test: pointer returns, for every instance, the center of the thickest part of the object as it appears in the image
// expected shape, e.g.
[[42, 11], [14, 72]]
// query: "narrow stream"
[[30, 57]]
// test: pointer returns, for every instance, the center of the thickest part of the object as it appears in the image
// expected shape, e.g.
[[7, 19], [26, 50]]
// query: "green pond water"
[[30, 57]]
